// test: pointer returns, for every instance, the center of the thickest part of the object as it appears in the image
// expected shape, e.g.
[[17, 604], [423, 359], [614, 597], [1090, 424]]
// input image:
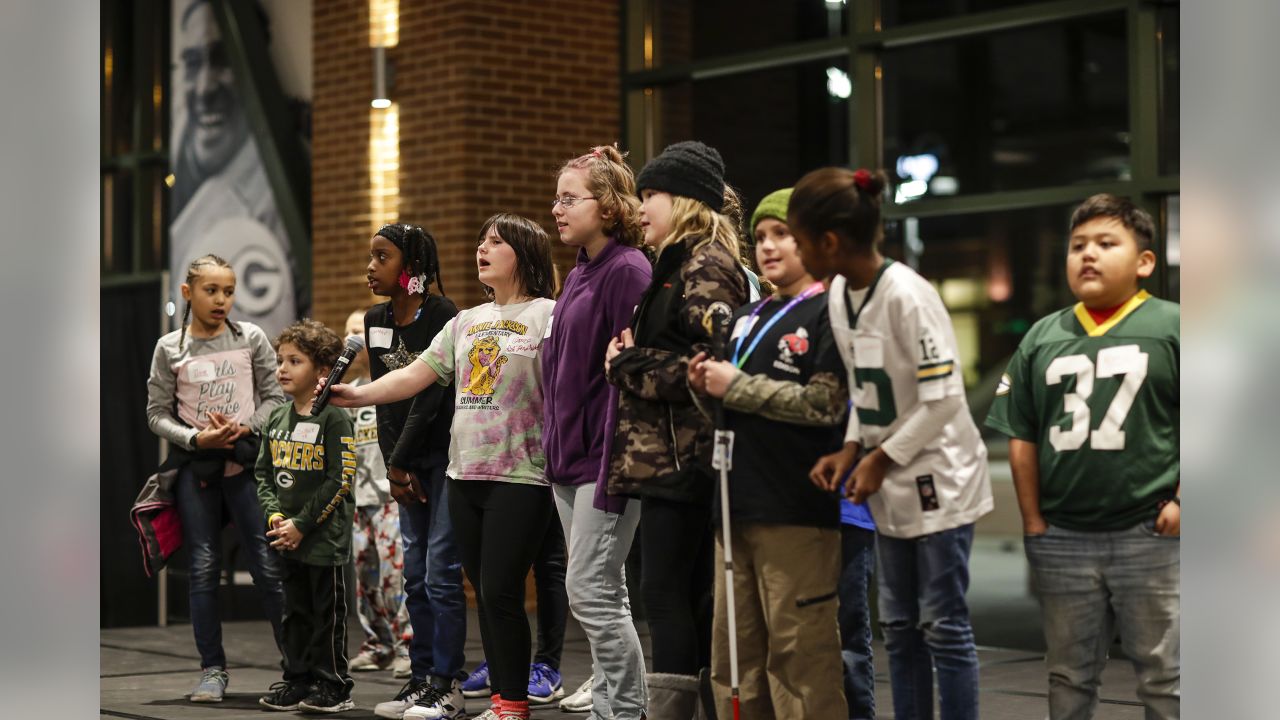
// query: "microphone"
[[716, 322], [355, 344]]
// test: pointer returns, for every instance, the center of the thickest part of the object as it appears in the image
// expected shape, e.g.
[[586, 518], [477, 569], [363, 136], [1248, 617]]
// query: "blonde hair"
[[694, 218], [613, 183]]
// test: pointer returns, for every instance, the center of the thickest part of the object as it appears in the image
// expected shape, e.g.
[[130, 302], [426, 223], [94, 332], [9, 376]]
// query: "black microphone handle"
[[719, 347], [335, 377]]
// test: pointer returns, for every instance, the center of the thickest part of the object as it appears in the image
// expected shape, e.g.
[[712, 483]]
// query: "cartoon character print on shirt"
[[486, 360], [790, 347]]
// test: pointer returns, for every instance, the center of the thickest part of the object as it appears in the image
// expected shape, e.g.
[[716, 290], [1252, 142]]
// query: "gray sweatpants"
[[598, 543]]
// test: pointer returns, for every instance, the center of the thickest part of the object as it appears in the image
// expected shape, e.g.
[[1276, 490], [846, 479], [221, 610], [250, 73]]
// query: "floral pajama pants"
[[379, 565]]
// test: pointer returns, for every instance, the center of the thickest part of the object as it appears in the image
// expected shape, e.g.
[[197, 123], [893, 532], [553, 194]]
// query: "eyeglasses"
[[568, 201]]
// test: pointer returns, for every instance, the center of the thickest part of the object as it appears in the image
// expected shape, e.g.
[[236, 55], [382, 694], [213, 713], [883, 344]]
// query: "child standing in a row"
[[783, 386], [924, 473], [595, 211], [498, 497], [211, 389], [661, 450], [375, 540], [304, 474], [413, 433]]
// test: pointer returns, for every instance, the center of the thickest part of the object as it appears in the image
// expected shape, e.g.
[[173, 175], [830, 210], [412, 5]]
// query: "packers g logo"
[[1006, 383], [284, 479]]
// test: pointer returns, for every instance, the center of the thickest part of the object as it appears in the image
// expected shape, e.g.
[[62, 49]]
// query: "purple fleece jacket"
[[580, 407]]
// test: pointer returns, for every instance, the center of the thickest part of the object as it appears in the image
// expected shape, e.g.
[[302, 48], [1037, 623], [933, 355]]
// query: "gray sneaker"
[[580, 700], [402, 667], [213, 683]]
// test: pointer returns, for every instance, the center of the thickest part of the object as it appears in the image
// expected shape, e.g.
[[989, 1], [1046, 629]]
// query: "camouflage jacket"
[[662, 444]]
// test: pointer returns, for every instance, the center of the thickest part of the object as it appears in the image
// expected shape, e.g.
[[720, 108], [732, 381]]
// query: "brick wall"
[[493, 96]]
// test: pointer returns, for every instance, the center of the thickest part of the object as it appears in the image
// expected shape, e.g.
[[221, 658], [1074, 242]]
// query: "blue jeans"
[[857, 560], [926, 623], [201, 511], [1092, 583], [433, 583]]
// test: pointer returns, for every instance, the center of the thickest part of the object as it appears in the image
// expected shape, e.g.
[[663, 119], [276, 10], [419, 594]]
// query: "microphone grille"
[[355, 343]]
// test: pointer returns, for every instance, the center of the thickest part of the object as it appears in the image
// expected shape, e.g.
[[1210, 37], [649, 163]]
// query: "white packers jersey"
[[899, 349]]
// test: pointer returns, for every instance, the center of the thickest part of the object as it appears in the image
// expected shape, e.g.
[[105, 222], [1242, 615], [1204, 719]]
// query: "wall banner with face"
[[221, 201]]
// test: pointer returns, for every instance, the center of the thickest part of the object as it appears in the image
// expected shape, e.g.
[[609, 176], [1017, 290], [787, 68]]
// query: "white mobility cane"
[[722, 460]]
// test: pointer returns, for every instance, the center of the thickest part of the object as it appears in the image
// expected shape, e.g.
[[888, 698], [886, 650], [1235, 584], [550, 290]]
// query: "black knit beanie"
[[689, 169]]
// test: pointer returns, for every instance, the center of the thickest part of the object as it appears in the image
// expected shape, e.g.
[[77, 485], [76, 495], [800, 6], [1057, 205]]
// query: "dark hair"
[[1104, 205], [533, 253], [419, 250], [193, 272], [316, 341], [841, 201]]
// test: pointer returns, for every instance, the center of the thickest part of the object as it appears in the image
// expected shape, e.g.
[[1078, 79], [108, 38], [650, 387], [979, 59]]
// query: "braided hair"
[[418, 248], [193, 272]]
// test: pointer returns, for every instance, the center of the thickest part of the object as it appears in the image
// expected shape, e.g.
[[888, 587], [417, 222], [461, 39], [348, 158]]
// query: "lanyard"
[[738, 362]]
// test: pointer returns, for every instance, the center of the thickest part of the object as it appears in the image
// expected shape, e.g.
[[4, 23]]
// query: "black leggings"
[[553, 598], [677, 552], [499, 527]]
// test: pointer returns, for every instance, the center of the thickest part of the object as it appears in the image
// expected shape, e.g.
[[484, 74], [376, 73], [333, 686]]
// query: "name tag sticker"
[[868, 352], [201, 371], [380, 337], [743, 326], [1119, 360], [306, 432], [523, 346]]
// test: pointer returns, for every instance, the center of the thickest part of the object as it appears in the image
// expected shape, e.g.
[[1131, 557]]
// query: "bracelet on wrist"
[[406, 483]]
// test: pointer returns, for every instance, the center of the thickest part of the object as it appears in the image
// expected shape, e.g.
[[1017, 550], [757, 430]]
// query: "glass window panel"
[[770, 127], [1038, 106], [154, 219], [116, 57], [997, 272], [117, 216], [1170, 41], [682, 31], [901, 12], [1173, 246]]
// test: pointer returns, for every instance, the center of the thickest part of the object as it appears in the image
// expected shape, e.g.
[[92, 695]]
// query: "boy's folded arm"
[[820, 402]]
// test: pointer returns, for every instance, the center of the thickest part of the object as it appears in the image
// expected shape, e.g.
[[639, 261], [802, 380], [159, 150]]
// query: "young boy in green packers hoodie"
[[305, 471]]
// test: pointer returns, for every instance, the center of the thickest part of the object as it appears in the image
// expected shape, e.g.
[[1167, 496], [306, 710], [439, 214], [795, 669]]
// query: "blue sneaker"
[[477, 683], [544, 684]]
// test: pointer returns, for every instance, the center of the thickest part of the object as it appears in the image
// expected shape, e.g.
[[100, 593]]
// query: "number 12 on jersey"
[[1126, 360]]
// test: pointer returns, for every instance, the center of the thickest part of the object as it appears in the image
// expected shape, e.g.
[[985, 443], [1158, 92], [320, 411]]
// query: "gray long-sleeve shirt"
[[233, 373]]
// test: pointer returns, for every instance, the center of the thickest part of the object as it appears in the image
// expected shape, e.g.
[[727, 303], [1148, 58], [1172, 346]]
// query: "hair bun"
[[869, 182]]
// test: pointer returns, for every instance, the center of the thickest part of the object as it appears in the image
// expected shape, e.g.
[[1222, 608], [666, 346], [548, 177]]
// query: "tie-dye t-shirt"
[[490, 354]]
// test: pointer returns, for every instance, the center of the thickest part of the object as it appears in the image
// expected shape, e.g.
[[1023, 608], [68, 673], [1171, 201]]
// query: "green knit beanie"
[[774, 205]]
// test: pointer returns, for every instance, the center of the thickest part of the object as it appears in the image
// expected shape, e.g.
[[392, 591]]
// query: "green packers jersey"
[[1101, 404]]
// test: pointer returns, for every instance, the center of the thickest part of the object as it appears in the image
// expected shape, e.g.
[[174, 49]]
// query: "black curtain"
[[130, 452]]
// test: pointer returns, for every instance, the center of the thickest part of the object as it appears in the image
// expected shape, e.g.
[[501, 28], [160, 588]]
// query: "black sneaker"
[[285, 695], [327, 698], [409, 694]]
